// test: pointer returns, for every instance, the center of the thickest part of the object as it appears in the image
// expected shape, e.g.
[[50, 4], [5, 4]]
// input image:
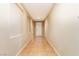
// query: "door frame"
[[43, 27]]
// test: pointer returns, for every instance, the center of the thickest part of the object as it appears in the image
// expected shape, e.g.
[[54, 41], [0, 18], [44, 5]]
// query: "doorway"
[[39, 28]]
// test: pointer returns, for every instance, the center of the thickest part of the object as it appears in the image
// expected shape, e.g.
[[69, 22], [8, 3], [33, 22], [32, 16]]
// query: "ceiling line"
[[23, 10], [50, 12]]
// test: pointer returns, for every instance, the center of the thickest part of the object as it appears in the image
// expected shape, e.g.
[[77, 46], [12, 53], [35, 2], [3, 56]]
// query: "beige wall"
[[14, 30], [63, 28]]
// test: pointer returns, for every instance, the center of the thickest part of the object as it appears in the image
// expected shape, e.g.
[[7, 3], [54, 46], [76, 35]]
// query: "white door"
[[38, 29]]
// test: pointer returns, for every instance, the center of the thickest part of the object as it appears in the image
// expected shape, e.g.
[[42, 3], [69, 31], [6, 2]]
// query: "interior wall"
[[4, 35], [63, 28], [13, 29]]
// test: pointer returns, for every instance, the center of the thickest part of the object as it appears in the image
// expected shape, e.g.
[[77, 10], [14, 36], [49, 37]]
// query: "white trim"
[[53, 46], [56, 51], [23, 47]]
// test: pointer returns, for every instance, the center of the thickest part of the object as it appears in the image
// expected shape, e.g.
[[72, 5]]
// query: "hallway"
[[38, 46], [39, 29]]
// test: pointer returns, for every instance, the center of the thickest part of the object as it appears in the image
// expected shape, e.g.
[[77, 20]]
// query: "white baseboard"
[[56, 51], [23, 47], [29, 38], [54, 48]]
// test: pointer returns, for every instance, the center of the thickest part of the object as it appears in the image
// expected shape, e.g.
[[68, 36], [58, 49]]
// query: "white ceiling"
[[38, 10]]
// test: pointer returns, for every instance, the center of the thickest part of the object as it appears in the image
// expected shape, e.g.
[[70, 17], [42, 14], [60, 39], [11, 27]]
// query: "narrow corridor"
[[39, 46], [39, 29]]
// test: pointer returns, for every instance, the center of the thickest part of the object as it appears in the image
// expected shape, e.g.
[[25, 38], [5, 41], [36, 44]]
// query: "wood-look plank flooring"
[[38, 47]]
